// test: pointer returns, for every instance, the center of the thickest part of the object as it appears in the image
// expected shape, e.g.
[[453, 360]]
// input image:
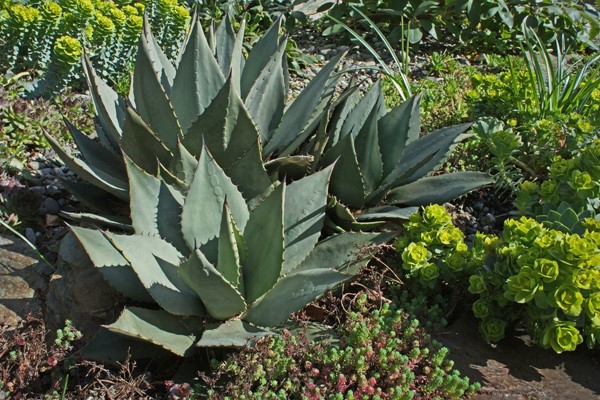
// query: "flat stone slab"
[[23, 278], [516, 369]]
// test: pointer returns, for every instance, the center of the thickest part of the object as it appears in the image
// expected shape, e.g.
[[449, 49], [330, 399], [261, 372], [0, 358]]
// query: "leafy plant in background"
[[380, 153], [22, 121], [550, 119], [43, 35], [575, 181], [381, 354], [544, 280], [556, 86], [399, 77], [491, 25]]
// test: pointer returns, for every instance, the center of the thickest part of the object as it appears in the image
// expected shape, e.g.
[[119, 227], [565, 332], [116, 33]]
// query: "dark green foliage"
[[380, 354], [108, 31], [488, 25], [22, 121]]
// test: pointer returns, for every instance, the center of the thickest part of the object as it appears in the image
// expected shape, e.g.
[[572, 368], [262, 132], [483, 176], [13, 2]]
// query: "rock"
[[22, 278], [53, 190], [30, 235], [488, 220], [517, 369], [78, 292], [39, 190], [50, 206]]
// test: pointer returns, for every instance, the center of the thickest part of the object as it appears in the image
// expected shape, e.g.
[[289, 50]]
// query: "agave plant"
[[213, 96], [215, 268], [382, 159]]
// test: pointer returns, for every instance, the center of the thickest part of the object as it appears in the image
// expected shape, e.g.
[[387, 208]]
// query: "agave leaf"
[[264, 238], [201, 215], [151, 100], [172, 180], [109, 107], [184, 164], [301, 112], [158, 327], [98, 156], [163, 69], [316, 118], [399, 127], [341, 113], [290, 294], [92, 196], [155, 206], [198, 78], [113, 267], [347, 182], [229, 255], [259, 57], [304, 215], [155, 262], [237, 58], [234, 333], [112, 221], [266, 97], [420, 158], [290, 167], [229, 133], [97, 177], [346, 252], [438, 189], [367, 145], [141, 144], [360, 114], [112, 349], [225, 43], [386, 213], [221, 299]]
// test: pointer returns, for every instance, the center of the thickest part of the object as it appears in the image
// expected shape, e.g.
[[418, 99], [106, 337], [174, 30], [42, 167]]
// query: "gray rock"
[[30, 235], [78, 292], [53, 190], [488, 220], [22, 278], [50, 206], [39, 190], [46, 172]]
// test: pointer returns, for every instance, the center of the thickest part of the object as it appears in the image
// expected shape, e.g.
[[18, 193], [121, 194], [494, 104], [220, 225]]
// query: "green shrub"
[[545, 280], [433, 251], [490, 25], [575, 181], [22, 121], [31, 35], [381, 354]]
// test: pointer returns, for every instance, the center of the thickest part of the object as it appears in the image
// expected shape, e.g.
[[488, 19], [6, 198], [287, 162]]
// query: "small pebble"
[[50, 206], [30, 235]]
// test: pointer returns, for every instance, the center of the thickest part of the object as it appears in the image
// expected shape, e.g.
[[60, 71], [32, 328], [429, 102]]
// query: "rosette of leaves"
[[213, 268], [543, 279], [383, 159], [574, 182], [433, 250], [216, 96]]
